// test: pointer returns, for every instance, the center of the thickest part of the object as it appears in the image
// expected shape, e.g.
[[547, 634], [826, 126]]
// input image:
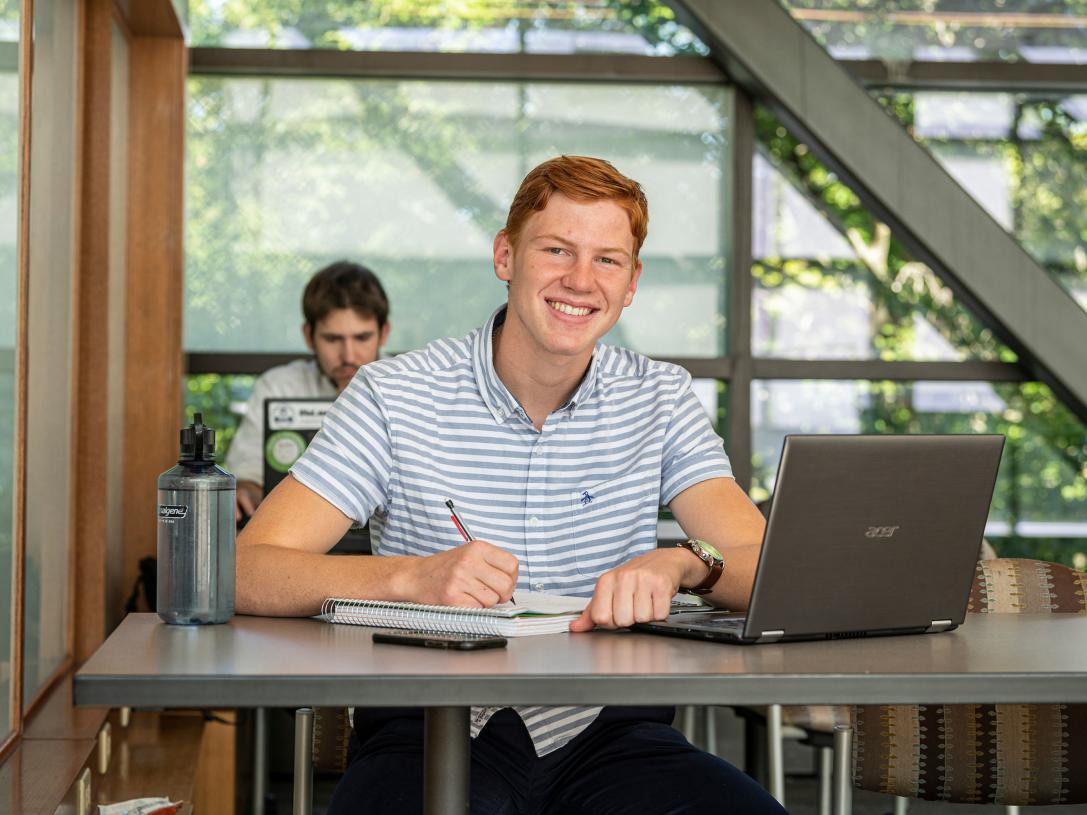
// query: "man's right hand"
[[476, 575], [248, 495]]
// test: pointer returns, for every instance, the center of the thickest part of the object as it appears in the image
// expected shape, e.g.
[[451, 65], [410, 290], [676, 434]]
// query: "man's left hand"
[[640, 590]]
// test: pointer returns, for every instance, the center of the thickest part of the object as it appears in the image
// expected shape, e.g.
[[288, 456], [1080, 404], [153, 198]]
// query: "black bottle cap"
[[197, 442]]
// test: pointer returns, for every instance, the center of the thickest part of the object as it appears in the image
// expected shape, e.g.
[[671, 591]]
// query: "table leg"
[[709, 715], [447, 760], [755, 749], [843, 770], [687, 723], [303, 761], [776, 752], [260, 759]]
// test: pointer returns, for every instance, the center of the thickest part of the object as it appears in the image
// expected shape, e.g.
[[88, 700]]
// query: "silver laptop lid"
[[870, 533]]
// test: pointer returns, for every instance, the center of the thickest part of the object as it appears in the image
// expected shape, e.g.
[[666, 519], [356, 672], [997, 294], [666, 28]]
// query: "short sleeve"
[[245, 458], [349, 461], [693, 452]]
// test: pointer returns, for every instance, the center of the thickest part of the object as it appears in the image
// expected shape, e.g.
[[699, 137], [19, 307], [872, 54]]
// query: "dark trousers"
[[630, 760]]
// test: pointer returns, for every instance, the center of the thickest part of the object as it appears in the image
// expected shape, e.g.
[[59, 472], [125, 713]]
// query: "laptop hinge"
[[771, 636], [938, 625]]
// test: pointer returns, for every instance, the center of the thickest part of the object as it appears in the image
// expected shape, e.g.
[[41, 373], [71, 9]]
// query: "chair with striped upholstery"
[[814, 725], [331, 736], [1014, 754]]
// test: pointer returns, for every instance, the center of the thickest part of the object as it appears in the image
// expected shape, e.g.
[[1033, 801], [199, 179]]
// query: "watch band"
[[715, 564]]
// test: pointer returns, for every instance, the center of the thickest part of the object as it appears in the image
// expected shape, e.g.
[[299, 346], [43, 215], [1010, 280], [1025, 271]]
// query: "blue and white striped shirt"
[[571, 501]]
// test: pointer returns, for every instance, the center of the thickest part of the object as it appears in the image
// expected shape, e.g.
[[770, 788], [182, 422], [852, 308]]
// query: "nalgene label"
[[169, 512]]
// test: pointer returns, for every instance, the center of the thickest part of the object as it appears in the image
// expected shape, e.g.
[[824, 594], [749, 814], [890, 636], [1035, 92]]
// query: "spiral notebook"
[[534, 613]]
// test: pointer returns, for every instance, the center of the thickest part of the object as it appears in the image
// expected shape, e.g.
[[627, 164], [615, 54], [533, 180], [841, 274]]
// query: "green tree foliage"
[[279, 23], [896, 31], [1047, 155], [217, 396], [1044, 469]]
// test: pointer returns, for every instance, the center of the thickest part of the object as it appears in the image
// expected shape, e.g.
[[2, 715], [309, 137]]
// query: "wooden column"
[[92, 332], [158, 65]]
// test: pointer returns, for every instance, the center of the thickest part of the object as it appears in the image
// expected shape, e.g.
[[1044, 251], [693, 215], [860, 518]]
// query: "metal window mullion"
[[904, 371], [741, 206], [969, 76], [265, 62], [738, 368]]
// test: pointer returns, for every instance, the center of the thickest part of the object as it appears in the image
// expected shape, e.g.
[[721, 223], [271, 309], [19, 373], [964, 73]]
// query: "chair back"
[[331, 735], [1019, 586], [1027, 755]]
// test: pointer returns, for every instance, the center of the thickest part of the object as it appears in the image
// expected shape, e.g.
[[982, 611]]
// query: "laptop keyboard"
[[712, 621], [729, 625]]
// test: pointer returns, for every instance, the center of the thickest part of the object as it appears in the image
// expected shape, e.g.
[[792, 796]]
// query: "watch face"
[[712, 550]]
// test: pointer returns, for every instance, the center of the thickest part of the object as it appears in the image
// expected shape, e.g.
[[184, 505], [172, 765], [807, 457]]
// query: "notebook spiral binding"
[[414, 616]]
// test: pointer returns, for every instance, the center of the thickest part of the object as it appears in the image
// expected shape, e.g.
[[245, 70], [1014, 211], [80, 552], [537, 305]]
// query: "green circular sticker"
[[283, 449]]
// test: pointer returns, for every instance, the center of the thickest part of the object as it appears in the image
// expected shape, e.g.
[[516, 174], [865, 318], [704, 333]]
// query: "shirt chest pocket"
[[609, 523]]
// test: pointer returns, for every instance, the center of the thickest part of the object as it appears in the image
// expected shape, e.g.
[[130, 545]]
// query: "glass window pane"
[[831, 281], [947, 30], [414, 178], [221, 399], [9, 274], [1040, 504], [481, 26], [713, 394], [49, 414], [1024, 158]]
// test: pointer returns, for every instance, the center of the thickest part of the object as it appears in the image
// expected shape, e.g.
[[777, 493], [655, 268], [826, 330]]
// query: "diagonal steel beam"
[[772, 57]]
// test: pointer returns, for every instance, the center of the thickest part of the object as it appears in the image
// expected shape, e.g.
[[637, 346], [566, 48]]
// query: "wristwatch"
[[713, 560]]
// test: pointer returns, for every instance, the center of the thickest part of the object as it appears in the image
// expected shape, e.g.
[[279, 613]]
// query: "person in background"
[[347, 323]]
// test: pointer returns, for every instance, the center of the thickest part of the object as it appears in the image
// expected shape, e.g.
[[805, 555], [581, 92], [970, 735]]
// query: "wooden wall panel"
[[92, 346], [153, 312]]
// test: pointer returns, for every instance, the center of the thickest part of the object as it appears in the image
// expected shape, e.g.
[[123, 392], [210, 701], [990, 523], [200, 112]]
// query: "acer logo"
[[880, 531]]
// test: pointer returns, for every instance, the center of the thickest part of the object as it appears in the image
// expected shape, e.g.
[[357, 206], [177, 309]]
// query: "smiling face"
[[570, 274], [343, 341]]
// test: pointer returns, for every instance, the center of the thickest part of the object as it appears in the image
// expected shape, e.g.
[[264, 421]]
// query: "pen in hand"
[[468, 536]]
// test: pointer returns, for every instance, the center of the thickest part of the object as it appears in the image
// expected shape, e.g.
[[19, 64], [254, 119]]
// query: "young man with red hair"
[[558, 451]]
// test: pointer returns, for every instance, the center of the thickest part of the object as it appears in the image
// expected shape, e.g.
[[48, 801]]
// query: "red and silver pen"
[[468, 536]]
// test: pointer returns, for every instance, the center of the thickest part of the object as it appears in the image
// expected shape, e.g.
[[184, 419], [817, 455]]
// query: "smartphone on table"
[[435, 639]]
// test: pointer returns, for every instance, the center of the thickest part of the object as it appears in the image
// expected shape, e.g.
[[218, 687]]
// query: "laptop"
[[289, 426], [867, 536]]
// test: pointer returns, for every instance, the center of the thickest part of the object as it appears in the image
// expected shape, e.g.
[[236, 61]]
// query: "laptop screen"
[[289, 426]]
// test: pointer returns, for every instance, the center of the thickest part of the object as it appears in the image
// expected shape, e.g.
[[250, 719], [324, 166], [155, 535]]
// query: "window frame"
[[738, 367]]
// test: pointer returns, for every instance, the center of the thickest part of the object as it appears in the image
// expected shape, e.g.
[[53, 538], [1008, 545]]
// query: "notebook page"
[[539, 604]]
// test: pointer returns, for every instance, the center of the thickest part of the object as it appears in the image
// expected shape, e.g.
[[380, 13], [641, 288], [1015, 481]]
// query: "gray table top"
[[255, 662]]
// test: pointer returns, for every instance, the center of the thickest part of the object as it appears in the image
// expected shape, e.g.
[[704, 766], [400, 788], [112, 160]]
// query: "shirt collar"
[[588, 383], [496, 396]]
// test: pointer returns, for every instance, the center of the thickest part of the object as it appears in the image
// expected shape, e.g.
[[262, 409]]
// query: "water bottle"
[[196, 534]]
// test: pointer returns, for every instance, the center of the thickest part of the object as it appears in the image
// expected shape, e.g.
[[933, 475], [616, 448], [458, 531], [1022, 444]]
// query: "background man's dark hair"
[[344, 284]]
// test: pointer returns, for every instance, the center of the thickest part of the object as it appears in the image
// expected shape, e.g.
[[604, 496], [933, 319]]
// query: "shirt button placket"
[[535, 555]]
